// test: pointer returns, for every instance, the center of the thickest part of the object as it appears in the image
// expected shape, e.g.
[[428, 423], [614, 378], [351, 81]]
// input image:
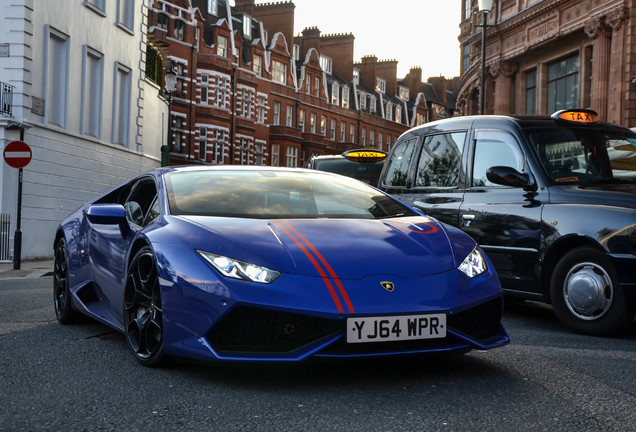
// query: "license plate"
[[396, 328]]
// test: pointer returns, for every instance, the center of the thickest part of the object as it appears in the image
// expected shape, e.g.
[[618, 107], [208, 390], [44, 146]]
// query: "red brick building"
[[250, 92], [542, 56]]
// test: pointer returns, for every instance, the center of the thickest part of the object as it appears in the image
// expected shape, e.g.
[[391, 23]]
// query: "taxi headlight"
[[474, 264], [240, 269]]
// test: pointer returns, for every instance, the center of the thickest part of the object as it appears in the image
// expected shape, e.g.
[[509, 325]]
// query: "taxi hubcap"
[[588, 291]]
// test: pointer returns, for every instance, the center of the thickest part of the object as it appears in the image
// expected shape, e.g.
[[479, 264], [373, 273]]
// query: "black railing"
[[5, 237], [6, 98]]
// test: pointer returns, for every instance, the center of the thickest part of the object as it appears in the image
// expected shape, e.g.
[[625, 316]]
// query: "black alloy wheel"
[[143, 316], [61, 291], [586, 295]]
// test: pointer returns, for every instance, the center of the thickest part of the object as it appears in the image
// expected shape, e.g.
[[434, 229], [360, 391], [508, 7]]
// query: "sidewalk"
[[28, 268]]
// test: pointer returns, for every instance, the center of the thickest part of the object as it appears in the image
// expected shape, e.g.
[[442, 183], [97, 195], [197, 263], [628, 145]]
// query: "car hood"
[[613, 194], [352, 248]]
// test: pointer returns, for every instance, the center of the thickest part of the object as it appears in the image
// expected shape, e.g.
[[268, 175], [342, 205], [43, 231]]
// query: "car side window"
[[494, 148], [139, 202], [440, 160], [398, 165]]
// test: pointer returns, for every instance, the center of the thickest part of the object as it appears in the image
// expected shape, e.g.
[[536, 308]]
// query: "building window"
[[261, 109], [317, 86], [94, 78], [398, 114], [204, 88], [279, 72], [352, 133], [292, 156], [389, 111], [100, 5], [404, 93], [57, 80], [276, 120], [275, 154], [301, 120], [213, 7], [162, 21], [221, 48], [332, 130], [312, 122], [247, 96], [258, 65], [363, 100], [345, 97], [126, 13], [122, 98], [289, 117], [380, 85], [259, 153], [247, 26], [419, 119], [296, 52], [363, 138], [373, 105], [388, 142], [325, 63], [343, 131], [308, 84], [356, 76], [465, 58], [179, 29], [221, 91], [203, 143], [380, 140], [372, 138], [334, 93], [467, 4], [323, 125], [531, 92], [563, 84]]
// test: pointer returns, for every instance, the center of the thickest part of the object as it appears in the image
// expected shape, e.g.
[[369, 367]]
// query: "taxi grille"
[[254, 330]]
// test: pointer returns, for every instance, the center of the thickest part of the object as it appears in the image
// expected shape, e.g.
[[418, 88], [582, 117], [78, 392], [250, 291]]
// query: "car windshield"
[[271, 194], [585, 155], [368, 172]]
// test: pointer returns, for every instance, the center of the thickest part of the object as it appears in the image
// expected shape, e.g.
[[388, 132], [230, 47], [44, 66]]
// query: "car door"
[[504, 220], [108, 247]]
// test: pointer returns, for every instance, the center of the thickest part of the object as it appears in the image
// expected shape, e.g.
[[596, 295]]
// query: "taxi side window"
[[440, 160], [494, 149], [398, 165]]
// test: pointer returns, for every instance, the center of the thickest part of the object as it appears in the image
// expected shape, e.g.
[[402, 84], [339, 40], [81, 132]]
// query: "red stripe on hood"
[[322, 273], [324, 262]]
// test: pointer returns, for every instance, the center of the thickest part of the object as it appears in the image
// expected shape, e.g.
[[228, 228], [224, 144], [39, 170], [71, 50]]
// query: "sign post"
[[17, 154]]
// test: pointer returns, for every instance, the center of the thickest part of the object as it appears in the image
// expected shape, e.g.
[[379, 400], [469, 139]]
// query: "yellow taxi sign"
[[365, 155], [576, 116]]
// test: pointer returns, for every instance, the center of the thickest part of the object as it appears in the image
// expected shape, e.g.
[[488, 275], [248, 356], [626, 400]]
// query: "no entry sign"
[[17, 154]]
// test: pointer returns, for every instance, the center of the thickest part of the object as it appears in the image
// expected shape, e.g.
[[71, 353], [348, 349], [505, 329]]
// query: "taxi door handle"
[[468, 218]]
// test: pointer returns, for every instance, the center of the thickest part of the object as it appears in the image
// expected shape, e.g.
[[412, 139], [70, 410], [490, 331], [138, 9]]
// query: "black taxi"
[[363, 164], [551, 200]]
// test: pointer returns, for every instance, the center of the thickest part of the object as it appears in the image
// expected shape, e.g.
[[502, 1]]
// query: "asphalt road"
[[82, 378]]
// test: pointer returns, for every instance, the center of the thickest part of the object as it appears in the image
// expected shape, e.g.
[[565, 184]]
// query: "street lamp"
[[485, 6], [170, 77]]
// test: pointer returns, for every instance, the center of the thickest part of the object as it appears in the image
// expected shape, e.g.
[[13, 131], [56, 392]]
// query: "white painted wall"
[[68, 167]]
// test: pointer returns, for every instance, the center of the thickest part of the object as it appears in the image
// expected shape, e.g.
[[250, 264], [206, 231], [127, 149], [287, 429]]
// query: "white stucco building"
[[91, 117]]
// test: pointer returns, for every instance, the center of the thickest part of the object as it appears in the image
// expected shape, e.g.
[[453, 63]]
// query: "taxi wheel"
[[586, 295], [143, 313]]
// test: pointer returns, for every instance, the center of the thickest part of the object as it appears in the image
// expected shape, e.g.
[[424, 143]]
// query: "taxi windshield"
[[585, 155]]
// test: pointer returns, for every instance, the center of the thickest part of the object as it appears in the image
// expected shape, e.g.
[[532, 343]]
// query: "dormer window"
[[380, 85], [404, 93], [356, 76], [363, 101], [325, 63], [334, 93], [247, 26], [213, 7]]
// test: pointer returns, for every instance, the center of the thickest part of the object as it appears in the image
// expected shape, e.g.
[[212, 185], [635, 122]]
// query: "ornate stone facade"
[[547, 55]]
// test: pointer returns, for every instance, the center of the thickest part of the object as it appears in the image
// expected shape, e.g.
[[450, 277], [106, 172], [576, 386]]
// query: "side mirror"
[[508, 176], [109, 214]]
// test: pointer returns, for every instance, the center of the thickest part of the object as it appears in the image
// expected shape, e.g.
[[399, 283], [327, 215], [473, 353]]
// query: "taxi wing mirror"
[[508, 176]]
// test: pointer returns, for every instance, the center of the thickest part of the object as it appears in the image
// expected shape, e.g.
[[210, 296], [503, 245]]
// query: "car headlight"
[[474, 264], [240, 269]]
